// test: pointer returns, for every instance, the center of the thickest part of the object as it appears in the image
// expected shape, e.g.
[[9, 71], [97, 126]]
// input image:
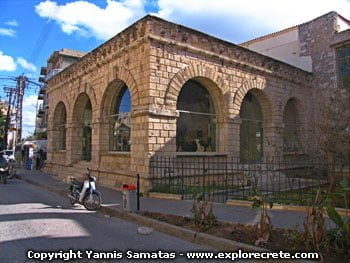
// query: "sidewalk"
[[112, 199]]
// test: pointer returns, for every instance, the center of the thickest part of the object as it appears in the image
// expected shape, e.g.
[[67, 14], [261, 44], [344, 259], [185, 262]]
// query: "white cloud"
[[7, 32], [12, 23], [7, 63], [89, 19], [25, 64], [225, 18], [29, 114]]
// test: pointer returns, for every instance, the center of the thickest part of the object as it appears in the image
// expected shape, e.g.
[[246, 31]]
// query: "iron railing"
[[294, 180]]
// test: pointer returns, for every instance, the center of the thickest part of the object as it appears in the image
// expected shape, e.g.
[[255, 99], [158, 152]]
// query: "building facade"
[[58, 61], [158, 88]]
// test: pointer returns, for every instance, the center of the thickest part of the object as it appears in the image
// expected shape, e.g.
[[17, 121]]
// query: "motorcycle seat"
[[77, 183]]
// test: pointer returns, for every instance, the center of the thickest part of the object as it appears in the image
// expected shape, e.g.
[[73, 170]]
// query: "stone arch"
[[201, 73], [115, 91], [59, 109], [84, 90], [257, 88], [60, 98], [293, 118], [300, 106], [123, 74], [82, 101], [78, 107], [109, 95], [59, 126]]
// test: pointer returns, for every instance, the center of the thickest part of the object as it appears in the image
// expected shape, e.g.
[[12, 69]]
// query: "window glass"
[[251, 130], [87, 132], [196, 128], [343, 63], [120, 122], [291, 130]]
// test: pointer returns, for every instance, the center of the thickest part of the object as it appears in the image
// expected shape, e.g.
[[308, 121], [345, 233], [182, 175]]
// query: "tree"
[[334, 131]]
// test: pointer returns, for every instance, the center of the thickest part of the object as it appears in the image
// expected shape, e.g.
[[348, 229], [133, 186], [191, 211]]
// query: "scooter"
[[92, 197], [3, 176], [4, 170], [11, 169]]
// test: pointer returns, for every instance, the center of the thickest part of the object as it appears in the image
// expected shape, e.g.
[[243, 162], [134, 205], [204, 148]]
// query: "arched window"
[[196, 129], [251, 131], [291, 130], [120, 124], [87, 132], [62, 131], [60, 121]]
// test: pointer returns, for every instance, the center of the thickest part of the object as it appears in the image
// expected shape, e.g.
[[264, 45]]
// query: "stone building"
[[158, 88]]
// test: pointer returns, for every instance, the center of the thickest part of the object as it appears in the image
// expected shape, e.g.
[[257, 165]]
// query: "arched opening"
[[119, 120], [251, 129], [291, 130], [196, 128], [60, 119], [87, 132]]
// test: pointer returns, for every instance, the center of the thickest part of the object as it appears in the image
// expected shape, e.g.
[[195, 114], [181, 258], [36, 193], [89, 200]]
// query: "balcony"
[[42, 90], [43, 71], [52, 73]]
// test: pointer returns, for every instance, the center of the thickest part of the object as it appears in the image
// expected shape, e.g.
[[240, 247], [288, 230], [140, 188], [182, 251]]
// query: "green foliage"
[[340, 235], [316, 235], [202, 211]]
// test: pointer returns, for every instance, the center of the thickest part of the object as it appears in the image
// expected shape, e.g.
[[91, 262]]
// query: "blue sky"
[[30, 30]]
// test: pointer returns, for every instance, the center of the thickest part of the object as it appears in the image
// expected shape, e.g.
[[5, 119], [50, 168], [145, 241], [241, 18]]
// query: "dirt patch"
[[280, 239]]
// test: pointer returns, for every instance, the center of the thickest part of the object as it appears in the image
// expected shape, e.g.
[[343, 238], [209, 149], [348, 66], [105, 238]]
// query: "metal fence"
[[223, 178]]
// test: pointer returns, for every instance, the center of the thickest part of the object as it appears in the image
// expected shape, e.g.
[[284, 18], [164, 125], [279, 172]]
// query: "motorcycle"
[[92, 197], [11, 169], [4, 170]]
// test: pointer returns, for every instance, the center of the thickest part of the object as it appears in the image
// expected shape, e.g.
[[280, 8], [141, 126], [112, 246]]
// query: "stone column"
[[73, 143], [98, 129], [273, 140], [233, 137]]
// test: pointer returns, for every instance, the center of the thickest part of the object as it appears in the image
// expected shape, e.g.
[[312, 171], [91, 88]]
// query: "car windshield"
[[8, 152]]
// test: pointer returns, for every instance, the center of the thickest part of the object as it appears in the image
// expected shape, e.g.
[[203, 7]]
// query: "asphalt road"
[[32, 219]]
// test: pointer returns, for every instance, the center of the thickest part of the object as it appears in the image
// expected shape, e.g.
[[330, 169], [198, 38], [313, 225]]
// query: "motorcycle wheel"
[[92, 201], [3, 178], [12, 172]]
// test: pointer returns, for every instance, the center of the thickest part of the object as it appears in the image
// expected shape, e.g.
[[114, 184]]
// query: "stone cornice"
[[131, 37], [266, 64], [152, 29]]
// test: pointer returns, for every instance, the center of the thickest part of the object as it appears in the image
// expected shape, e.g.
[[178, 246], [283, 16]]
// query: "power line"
[[42, 36], [15, 100]]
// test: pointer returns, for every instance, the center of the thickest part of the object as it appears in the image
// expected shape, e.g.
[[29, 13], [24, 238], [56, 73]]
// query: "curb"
[[295, 208], [176, 231], [164, 196]]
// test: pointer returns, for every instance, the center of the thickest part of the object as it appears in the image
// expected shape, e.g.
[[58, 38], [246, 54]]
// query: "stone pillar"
[[73, 143], [139, 143], [273, 140], [95, 144], [233, 137]]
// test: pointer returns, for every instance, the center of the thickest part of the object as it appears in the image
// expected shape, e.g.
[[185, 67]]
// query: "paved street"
[[34, 219]]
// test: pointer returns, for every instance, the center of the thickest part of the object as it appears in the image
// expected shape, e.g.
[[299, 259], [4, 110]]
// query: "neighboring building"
[[58, 61], [320, 46]]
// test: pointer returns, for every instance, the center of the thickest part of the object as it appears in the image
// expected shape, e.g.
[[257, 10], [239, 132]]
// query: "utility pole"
[[21, 85], [9, 91]]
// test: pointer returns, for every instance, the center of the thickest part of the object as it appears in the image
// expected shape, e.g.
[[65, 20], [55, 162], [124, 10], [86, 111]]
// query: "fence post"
[[138, 192]]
